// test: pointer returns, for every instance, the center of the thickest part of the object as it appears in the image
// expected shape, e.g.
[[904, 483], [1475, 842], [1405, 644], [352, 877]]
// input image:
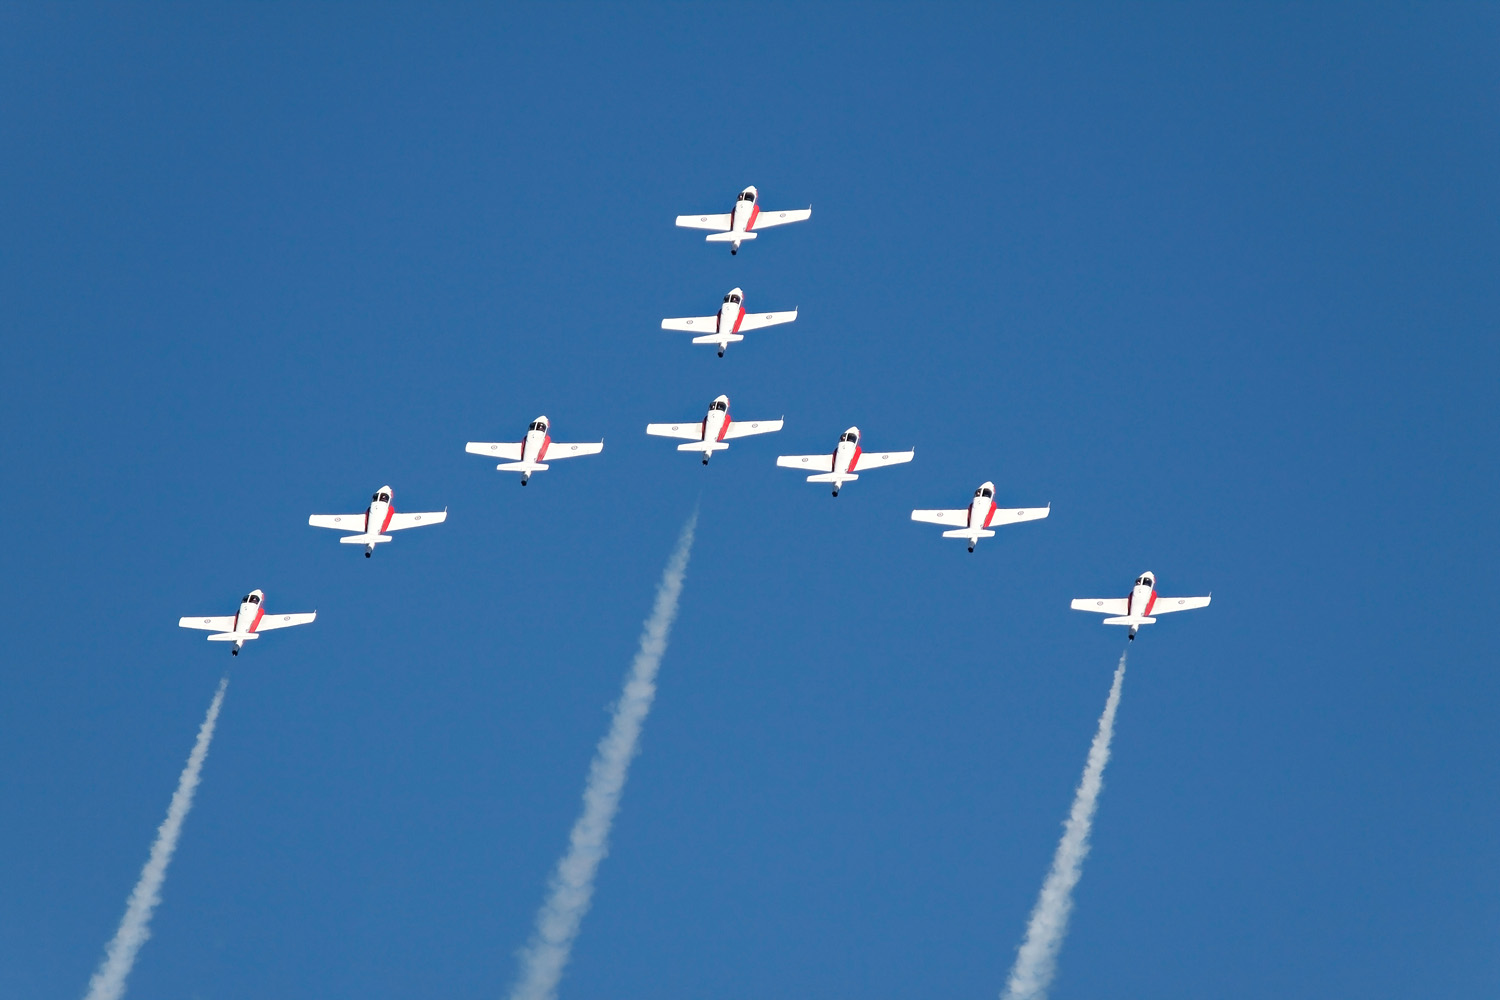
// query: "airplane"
[[980, 515], [846, 459], [247, 624], [709, 434], [1137, 609], [731, 322], [531, 453], [378, 518], [744, 223]]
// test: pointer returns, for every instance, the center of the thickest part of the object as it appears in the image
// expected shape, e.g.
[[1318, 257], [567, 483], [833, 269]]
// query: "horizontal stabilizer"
[[233, 637], [966, 533], [833, 477], [729, 237], [363, 539], [719, 338], [521, 466], [703, 446], [1129, 620]]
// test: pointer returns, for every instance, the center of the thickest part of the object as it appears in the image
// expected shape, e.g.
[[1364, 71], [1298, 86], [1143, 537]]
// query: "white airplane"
[[1138, 609], [731, 322], [378, 518], [844, 462], [709, 434], [744, 223], [979, 516], [532, 453], [247, 624]]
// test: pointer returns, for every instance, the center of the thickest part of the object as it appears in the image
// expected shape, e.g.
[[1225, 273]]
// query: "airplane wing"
[[1103, 605], [270, 622], [807, 463], [951, 518], [511, 452], [719, 222], [557, 450], [401, 521], [223, 623], [754, 321], [340, 522], [746, 428], [692, 324], [875, 459], [688, 432], [1015, 515], [765, 220], [1166, 605]]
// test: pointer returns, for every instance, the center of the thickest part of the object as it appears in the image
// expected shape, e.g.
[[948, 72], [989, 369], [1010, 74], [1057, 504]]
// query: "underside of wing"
[[559, 450], [807, 463], [339, 522], [875, 459], [687, 432], [718, 222], [765, 220], [401, 521], [691, 324], [271, 622], [1103, 605], [951, 518], [746, 428], [1014, 515], [221, 623], [510, 451], [1166, 605], [755, 321]]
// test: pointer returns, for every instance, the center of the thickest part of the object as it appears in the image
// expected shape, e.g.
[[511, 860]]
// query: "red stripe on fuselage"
[[991, 515], [754, 214], [858, 451], [542, 452], [1150, 603], [738, 320], [390, 510], [259, 610], [723, 427]]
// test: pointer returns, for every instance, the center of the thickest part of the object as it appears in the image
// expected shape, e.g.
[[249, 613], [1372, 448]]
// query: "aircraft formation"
[[536, 451]]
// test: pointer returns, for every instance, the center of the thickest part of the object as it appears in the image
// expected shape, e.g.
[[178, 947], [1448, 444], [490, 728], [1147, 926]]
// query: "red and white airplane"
[[378, 518], [247, 624], [744, 223], [981, 515], [531, 453], [731, 323], [1138, 609], [709, 434], [846, 459]]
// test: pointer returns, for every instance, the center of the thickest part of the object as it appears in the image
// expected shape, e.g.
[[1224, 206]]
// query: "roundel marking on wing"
[[754, 425], [674, 426], [419, 517], [286, 618], [703, 218], [689, 322], [1182, 600], [207, 620], [337, 520], [494, 447], [1100, 603], [939, 513], [783, 215], [1020, 513], [885, 456], [804, 461]]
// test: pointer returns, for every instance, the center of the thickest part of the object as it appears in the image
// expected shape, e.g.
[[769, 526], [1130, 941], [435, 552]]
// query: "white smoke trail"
[[572, 886], [1036, 960], [109, 982]]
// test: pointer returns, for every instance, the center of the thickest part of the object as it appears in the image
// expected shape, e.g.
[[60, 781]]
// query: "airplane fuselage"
[[731, 315], [744, 216], [1141, 599], [248, 617]]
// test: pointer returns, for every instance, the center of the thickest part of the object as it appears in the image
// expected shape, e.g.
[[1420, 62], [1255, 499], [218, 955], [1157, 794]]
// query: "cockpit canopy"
[[719, 404], [381, 497], [984, 491], [851, 436], [747, 196], [250, 599], [538, 425], [732, 297], [1145, 581]]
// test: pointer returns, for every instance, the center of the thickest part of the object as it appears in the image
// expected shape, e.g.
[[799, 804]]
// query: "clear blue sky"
[[1218, 284]]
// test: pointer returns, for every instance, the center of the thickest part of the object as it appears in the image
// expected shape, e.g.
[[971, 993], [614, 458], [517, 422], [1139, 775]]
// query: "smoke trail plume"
[[572, 886], [1036, 961], [109, 982]]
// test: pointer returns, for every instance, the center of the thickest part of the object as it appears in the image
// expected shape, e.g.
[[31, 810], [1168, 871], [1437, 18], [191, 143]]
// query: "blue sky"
[[1218, 284]]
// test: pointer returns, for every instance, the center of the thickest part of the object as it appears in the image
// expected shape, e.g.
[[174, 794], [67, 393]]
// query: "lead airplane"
[[981, 515], [1138, 609], [842, 464], [246, 624], [532, 452], [378, 518], [709, 434], [744, 223], [729, 324]]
